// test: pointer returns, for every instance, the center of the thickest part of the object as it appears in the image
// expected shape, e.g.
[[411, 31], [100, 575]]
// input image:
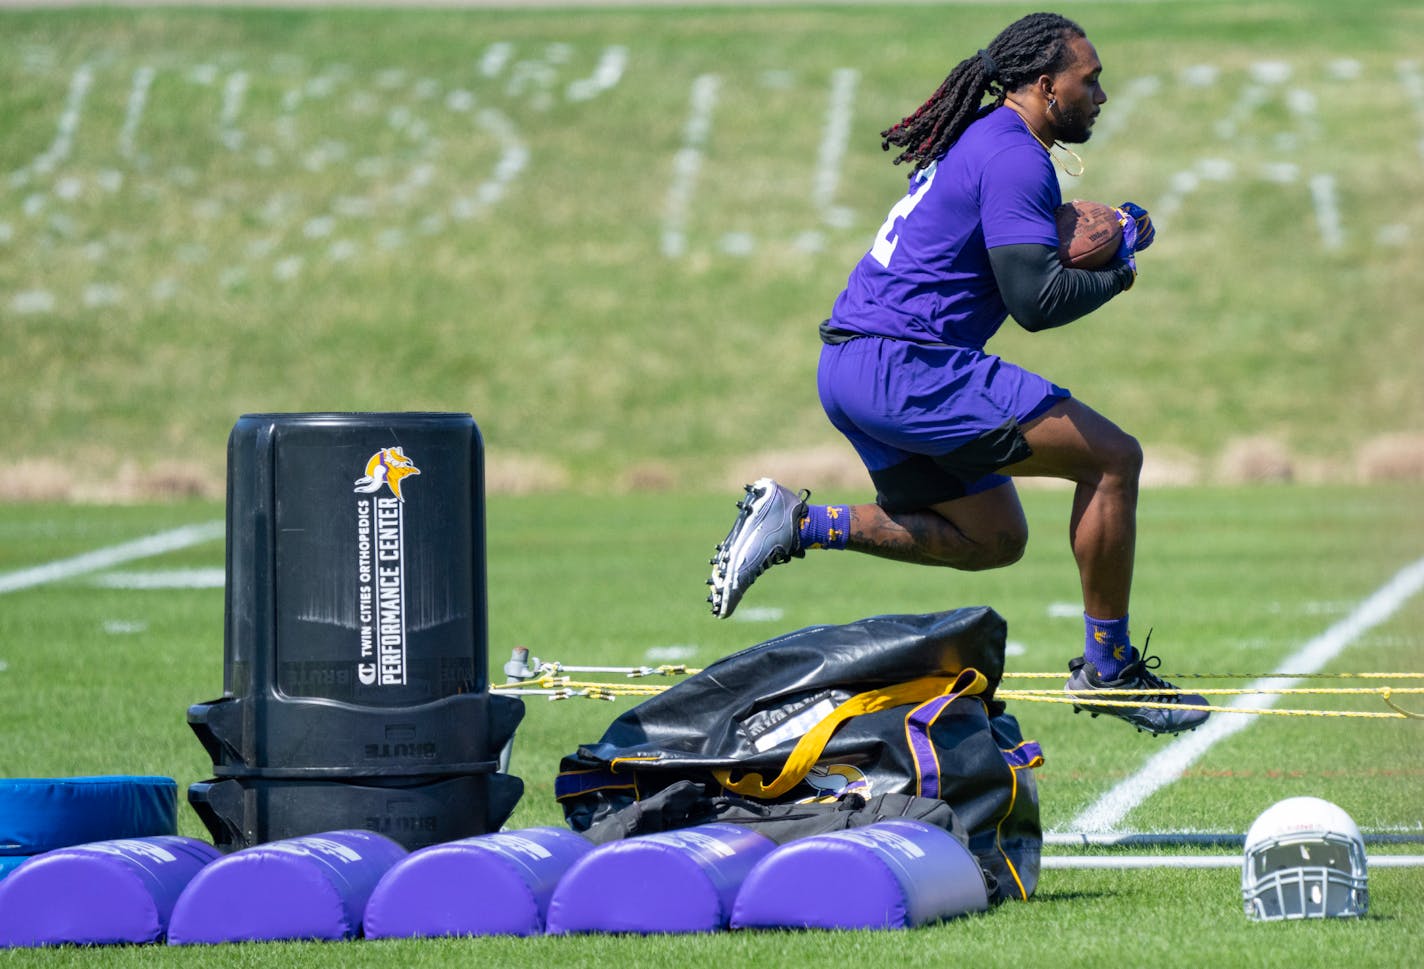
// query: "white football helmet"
[[1305, 859]]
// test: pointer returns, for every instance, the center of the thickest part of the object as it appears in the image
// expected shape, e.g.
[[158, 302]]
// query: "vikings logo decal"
[[835, 780], [388, 467]]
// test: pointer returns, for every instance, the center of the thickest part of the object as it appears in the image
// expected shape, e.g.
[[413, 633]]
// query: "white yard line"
[[214, 578], [687, 164], [1169, 764], [835, 138], [104, 558], [1197, 861]]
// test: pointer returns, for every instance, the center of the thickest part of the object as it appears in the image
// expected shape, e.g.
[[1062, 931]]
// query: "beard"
[[1072, 126]]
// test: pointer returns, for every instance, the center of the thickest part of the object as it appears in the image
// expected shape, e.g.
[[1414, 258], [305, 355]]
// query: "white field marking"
[[1327, 212], [834, 139], [1392, 235], [1229, 127], [1122, 862], [319, 227], [759, 614], [33, 301], [1187, 181], [1013, 648], [1270, 73], [63, 143], [1412, 80], [737, 244], [234, 93], [133, 111], [605, 76], [287, 269], [124, 627], [100, 295], [670, 654], [1115, 118], [1170, 763], [1200, 75], [105, 558], [203, 74], [1252, 97], [1344, 69], [1393, 834], [687, 164], [162, 579], [1306, 107], [496, 55], [460, 100], [514, 156], [1065, 610], [1280, 173], [535, 78]]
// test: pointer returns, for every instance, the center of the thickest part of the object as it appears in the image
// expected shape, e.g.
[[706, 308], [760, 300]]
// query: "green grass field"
[[609, 235], [96, 678]]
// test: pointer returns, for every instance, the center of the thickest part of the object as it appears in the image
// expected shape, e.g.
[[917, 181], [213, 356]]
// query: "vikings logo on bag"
[[833, 781]]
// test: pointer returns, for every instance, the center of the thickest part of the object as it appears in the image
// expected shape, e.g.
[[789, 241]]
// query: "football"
[[1088, 234]]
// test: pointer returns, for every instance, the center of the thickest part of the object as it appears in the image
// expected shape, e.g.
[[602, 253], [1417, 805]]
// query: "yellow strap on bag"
[[808, 749]]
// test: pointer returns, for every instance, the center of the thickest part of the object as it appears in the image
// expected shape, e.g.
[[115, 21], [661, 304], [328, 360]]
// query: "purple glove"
[[1127, 248], [1146, 231]]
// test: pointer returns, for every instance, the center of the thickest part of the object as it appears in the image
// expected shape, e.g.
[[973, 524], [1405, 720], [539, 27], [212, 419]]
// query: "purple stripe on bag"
[[917, 730], [1026, 754]]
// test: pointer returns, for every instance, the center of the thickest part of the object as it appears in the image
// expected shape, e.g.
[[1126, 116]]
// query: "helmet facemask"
[[1300, 874]]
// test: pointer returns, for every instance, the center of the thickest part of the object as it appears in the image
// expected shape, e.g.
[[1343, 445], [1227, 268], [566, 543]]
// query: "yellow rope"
[[551, 682], [569, 683], [1296, 691], [1008, 675], [1031, 696]]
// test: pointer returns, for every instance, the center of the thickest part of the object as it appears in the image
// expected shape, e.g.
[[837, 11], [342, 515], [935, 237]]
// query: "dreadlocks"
[[1023, 51]]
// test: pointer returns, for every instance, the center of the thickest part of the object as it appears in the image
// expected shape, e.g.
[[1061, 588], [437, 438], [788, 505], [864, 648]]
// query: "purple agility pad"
[[888, 875], [494, 884], [674, 881], [313, 887], [119, 891]]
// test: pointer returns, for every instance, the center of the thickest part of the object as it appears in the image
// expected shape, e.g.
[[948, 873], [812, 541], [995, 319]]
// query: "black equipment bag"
[[897, 704]]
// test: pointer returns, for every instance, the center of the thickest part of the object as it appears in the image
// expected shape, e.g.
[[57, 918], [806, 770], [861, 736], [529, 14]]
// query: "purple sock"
[[1107, 645], [825, 526]]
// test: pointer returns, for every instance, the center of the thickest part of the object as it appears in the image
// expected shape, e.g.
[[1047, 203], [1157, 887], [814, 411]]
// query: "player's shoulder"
[[1000, 137], [999, 125]]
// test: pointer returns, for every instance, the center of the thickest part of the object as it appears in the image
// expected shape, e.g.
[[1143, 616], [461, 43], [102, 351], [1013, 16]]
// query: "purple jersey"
[[927, 278]]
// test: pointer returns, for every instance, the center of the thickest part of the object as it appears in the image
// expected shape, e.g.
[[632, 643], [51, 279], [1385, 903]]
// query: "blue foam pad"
[[312, 887], [494, 884], [119, 891], [39, 814], [675, 881], [888, 875]]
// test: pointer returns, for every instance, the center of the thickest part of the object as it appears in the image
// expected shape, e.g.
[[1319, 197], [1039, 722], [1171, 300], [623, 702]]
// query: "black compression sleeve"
[[1041, 293]]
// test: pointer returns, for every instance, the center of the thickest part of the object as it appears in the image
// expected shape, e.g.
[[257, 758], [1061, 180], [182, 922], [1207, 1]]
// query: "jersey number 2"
[[888, 237]]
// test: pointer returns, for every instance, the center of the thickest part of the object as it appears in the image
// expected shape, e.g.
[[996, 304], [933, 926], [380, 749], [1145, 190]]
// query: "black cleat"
[[1144, 687]]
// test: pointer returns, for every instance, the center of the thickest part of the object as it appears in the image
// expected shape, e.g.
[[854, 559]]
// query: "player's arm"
[[1041, 293]]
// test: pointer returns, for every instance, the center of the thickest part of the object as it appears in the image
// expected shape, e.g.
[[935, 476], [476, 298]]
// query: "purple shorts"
[[931, 423]]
